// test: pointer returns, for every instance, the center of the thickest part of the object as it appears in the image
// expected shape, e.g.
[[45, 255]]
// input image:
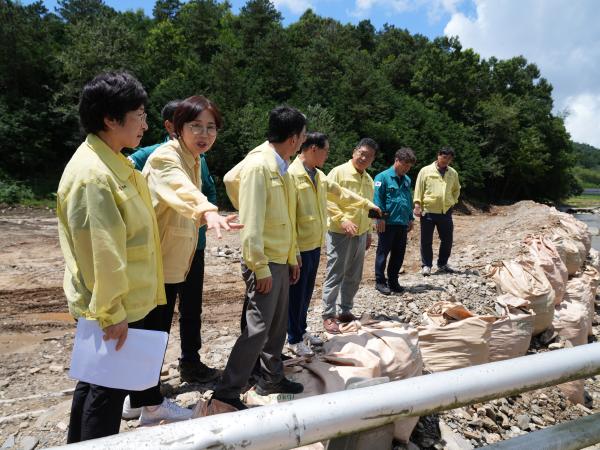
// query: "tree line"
[[352, 81]]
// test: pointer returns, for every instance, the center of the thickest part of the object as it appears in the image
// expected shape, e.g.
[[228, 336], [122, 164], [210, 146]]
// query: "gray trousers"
[[345, 258], [264, 336]]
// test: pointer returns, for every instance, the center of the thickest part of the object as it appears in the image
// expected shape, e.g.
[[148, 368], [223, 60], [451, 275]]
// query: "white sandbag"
[[579, 291], [395, 345], [525, 279], [592, 276], [568, 248], [594, 257], [377, 349], [571, 324], [511, 333], [543, 251], [447, 343], [577, 228], [396, 348]]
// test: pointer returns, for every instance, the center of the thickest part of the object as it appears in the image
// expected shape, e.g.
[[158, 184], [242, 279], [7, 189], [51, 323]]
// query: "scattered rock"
[[9, 442], [523, 421], [28, 443]]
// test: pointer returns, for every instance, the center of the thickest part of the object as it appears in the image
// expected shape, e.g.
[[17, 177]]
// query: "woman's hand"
[[215, 221], [117, 331]]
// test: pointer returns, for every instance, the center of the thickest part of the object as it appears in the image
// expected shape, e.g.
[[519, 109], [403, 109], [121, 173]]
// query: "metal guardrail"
[[322, 417]]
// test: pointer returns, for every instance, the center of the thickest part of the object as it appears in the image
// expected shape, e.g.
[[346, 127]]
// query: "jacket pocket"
[[138, 253]]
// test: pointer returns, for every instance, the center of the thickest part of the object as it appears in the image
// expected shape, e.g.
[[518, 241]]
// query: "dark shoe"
[[284, 386], [196, 372], [235, 402], [382, 287], [346, 317], [445, 269], [331, 326], [396, 288]]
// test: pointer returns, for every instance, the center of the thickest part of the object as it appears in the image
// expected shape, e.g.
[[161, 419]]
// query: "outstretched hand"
[[217, 222]]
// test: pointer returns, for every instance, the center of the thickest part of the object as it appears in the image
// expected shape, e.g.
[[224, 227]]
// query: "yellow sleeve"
[[292, 208], [173, 186], [253, 205], [336, 215], [456, 189], [100, 249], [419, 189], [345, 197], [232, 184]]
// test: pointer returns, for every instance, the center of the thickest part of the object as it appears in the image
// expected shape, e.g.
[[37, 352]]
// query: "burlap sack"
[[571, 323], [396, 346], [447, 343], [592, 276], [543, 251], [594, 256], [579, 291], [525, 279], [210, 407], [571, 251], [379, 349], [578, 229], [511, 333]]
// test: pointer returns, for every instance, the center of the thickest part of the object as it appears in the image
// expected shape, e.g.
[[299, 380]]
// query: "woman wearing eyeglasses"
[[173, 173]]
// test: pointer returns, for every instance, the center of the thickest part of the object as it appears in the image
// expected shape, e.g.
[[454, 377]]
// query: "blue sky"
[[421, 16], [561, 36]]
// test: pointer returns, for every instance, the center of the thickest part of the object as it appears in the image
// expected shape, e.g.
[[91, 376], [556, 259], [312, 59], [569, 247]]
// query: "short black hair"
[[190, 108], [367, 142], [168, 110], [314, 138], [446, 151], [112, 95], [406, 154], [285, 122]]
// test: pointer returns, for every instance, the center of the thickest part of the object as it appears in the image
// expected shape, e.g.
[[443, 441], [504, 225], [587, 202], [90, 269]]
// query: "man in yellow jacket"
[[349, 236], [262, 188], [313, 190], [436, 191]]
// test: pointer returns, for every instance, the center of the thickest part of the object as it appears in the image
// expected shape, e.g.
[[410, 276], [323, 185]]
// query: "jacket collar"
[[189, 159], [117, 163]]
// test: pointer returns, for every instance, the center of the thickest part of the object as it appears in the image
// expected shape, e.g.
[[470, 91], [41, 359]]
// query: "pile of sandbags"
[[524, 278], [453, 337]]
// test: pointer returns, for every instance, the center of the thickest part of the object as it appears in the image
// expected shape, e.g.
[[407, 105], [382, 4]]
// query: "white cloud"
[[583, 119], [561, 37], [295, 6]]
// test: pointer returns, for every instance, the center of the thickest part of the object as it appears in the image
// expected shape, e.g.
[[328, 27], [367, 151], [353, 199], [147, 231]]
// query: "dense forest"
[[352, 81]]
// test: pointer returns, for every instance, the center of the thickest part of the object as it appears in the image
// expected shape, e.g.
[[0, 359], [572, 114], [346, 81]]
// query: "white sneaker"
[[312, 340], [301, 349], [167, 410], [129, 412], [426, 271]]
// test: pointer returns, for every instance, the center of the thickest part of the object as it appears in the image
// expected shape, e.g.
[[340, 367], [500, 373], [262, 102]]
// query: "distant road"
[[593, 191]]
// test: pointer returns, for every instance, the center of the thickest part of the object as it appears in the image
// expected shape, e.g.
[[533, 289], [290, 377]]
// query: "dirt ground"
[[36, 330]]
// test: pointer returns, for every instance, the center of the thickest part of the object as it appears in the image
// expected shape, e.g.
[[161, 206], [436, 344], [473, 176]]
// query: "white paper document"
[[135, 367]]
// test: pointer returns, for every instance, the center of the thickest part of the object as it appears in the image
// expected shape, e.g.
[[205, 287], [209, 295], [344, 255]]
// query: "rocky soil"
[[36, 332]]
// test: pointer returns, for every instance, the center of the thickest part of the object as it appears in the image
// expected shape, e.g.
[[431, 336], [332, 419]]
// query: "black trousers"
[[190, 309], [391, 242], [445, 229], [96, 410]]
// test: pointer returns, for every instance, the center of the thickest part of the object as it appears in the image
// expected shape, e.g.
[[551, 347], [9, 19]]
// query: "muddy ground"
[[36, 332]]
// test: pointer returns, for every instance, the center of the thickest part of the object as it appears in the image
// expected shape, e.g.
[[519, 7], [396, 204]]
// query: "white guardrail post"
[[300, 422]]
